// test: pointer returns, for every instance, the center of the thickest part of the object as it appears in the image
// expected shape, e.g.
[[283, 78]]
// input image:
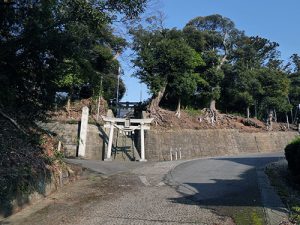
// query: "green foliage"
[[213, 37], [255, 78], [275, 85], [249, 215], [294, 77], [51, 46], [46, 46], [164, 59], [192, 111], [292, 154], [295, 214], [211, 60]]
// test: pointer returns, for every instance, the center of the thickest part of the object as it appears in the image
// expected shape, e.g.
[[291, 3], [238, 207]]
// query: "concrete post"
[[83, 131], [110, 140], [142, 144]]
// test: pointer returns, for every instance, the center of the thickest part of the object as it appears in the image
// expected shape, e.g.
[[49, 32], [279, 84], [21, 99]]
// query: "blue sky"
[[276, 20]]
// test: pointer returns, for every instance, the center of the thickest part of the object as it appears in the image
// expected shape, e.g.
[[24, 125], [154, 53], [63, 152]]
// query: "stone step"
[[124, 149]]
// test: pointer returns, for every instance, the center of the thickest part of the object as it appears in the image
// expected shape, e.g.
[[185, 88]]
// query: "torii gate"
[[126, 125]]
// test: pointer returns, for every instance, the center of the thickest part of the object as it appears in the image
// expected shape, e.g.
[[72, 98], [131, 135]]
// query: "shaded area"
[[25, 165], [121, 145], [227, 185]]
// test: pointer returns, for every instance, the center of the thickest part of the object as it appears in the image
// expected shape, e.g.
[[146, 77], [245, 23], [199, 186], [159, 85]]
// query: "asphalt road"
[[228, 185], [216, 191]]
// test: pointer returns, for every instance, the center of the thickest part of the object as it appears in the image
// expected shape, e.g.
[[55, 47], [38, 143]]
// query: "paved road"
[[136, 196], [206, 191], [229, 185]]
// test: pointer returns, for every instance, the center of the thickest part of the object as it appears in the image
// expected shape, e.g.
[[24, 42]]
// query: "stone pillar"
[[142, 144], [110, 140], [83, 131]]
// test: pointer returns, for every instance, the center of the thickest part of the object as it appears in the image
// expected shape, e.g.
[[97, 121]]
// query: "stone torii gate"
[[126, 125]]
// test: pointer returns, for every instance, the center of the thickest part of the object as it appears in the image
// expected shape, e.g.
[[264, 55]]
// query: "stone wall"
[[193, 143], [44, 188], [214, 142], [69, 135]]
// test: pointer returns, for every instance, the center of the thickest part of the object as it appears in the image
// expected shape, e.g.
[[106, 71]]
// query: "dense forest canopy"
[[210, 63]]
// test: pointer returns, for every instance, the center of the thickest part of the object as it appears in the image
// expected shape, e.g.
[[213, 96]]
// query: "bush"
[[292, 155]]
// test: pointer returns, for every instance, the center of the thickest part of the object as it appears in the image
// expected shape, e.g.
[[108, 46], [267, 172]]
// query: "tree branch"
[[13, 122]]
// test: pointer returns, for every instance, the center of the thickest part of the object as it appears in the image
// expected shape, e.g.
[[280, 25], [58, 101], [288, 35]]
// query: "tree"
[[47, 45], [163, 61], [215, 35], [275, 86], [294, 77], [242, 87]]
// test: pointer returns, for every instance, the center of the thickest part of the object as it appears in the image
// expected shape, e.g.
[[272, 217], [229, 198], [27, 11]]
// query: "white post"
[[176, 155], [180, 153], [83, 131], [59, 146], [171, 157], [142, 144], [110, 140]]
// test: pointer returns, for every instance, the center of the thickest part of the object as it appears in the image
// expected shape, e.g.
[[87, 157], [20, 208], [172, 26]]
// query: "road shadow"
[[240, 191]]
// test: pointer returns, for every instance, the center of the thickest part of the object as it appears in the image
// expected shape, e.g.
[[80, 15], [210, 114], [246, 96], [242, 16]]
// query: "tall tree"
[[216, 35], [294, 77], [242, 87], [45, 45], [275, 86], [163, 60]]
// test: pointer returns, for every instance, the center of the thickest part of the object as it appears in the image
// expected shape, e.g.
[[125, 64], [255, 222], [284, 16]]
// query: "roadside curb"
[[275, 211]]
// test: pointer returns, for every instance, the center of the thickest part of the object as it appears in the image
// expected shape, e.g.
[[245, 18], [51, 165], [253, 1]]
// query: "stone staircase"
[[124, 148]]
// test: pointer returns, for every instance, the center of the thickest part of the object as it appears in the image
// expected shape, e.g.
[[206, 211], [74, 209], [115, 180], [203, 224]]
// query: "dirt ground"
[[198, 119]]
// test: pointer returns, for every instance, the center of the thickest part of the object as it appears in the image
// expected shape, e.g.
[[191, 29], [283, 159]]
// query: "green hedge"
[[292, 155]]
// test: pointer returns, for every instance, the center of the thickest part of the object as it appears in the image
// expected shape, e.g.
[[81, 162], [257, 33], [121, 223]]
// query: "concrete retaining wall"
[[69, 135], [203, 143], [44, 188], [193, 143]]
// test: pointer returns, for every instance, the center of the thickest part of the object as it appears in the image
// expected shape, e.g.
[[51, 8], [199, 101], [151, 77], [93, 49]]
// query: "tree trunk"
[[98, 107], [255, 109], [13, 122], [248, 112], [212, 105], [223, 60], [213, 101], [178, 108], [156, 100], [287, 121], [292, 116], [275, 116], [68, 105], [270, 120]]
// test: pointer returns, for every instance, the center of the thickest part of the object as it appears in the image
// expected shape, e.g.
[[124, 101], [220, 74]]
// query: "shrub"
[[292, 155]]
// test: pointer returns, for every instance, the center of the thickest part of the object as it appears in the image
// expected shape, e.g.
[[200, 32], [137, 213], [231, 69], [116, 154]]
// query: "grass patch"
[[249, 215], [193, 112]]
